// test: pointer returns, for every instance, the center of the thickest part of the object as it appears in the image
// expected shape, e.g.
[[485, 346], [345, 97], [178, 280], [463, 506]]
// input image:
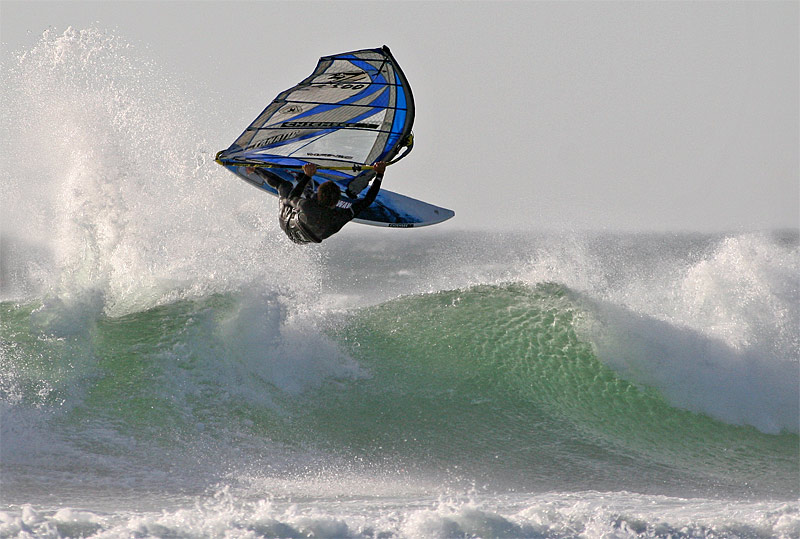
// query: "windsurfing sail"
[[355, 109]]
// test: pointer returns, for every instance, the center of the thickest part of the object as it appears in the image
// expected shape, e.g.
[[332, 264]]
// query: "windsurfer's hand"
[[309, 169], [249, 170], [379, 167]]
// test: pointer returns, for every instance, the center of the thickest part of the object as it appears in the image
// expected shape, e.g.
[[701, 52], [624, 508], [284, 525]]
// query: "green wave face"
[[495, 380]]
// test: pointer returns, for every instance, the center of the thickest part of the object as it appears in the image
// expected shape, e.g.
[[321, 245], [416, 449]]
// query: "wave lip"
[[740, 386]]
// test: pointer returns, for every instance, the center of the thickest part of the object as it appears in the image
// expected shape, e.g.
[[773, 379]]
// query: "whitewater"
[[172, 366]]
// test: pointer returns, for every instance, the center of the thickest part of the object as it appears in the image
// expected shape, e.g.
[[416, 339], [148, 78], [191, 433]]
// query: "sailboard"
[[355, 109]]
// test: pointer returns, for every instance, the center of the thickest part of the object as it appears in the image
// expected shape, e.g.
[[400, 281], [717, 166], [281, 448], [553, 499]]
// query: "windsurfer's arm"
[[309, 169], [369, 198]]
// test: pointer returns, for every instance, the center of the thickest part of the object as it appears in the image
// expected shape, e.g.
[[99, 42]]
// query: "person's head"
[[328, 194]]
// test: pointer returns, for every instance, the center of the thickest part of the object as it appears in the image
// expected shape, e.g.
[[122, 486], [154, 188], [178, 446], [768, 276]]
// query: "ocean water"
[[171, 366]]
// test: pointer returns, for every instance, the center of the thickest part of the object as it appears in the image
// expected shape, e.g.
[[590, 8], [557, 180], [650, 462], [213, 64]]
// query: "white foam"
[[585, 514], [267, 342]]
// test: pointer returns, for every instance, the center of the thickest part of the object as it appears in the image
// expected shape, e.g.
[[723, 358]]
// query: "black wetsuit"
[[304, 220]]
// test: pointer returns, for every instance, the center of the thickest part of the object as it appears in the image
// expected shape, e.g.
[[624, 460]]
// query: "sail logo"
[[272, 140], [334, 155], [328, 125], [292, 109], [345, 80]]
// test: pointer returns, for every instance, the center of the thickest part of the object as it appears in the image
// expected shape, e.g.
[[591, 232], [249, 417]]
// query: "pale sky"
[[646, 116]]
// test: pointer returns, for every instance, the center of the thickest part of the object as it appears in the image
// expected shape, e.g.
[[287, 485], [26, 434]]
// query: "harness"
[[294, 228]]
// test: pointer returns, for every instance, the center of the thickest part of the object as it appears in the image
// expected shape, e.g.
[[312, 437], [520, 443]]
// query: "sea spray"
[[122, 199], [747, 293], [743, 289]]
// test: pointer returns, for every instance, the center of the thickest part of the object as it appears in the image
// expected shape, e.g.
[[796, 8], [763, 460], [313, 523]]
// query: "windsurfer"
[[311, 220]]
